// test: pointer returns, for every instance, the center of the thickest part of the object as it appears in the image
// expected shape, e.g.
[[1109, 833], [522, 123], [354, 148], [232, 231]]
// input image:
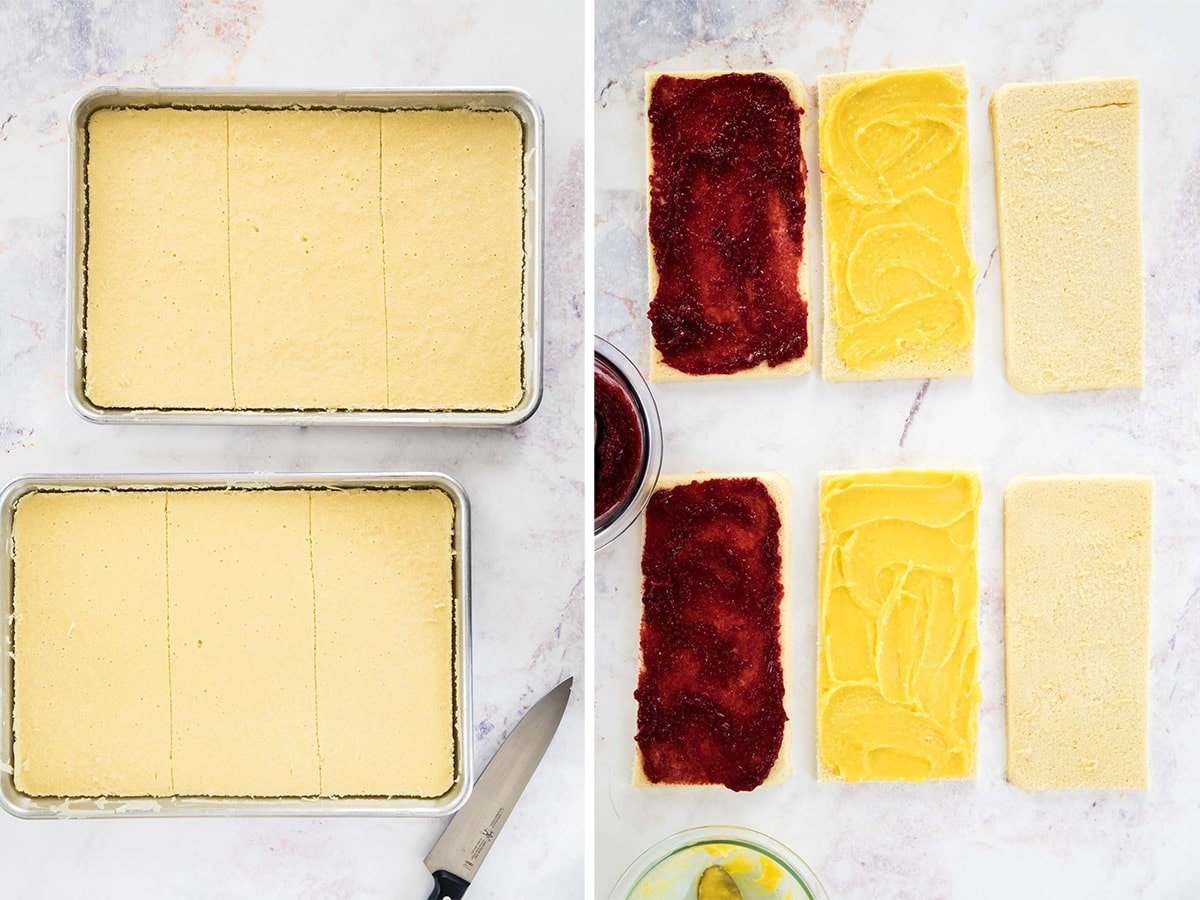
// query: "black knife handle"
[[448, 886]]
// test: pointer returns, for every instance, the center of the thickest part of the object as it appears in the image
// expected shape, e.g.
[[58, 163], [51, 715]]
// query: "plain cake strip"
[[728, 225], [243, 693], [157, 321], [383, 575], [91, 704], [1069, 210], [1077, 569], [306, 260], [453, 226], [898, 644], [899, 271], [715, 643]]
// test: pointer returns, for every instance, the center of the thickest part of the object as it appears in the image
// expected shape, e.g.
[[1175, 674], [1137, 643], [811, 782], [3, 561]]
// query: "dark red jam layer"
[[710, 694], [620, 442], [726, 223]]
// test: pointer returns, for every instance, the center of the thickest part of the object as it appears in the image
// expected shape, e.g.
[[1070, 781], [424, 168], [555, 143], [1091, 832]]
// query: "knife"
[[458, 853]]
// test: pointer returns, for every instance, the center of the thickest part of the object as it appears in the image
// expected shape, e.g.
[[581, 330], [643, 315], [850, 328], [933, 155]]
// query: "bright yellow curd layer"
[[895, 166], [898, 690]]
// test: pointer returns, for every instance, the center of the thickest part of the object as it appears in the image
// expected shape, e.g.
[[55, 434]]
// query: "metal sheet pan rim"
[[26, 807], [519, 101]]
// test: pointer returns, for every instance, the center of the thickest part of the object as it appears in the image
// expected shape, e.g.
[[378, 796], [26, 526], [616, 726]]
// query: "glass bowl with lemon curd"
[[627, 437], [719, 863]]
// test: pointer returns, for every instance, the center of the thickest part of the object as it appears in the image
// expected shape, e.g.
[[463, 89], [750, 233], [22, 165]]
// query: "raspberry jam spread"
[[726, 222], [710, 694], [620, 441]]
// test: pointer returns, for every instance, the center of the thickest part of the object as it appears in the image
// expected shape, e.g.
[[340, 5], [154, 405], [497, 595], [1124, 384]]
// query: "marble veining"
[[981, 839], [524, 483]]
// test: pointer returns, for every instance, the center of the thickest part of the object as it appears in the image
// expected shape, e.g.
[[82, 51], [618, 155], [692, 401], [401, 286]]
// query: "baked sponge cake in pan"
[[304, 259], [234, 643]]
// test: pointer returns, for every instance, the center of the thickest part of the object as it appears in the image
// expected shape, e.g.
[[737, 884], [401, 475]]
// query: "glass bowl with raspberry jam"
[[627, 437]]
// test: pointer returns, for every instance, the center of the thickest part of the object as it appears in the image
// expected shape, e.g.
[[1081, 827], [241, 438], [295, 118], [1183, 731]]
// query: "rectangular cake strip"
[[1069, 210], [899, 270], [157, 271], [453, 223], [306, 260], [92, 703], [712, 692], [898, 643], [242, 643], [383, 573], [1077, 568], [728, 225]]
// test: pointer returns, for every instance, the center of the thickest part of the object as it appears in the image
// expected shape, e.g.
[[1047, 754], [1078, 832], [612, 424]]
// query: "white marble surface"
[[525, 484], [980, 839]]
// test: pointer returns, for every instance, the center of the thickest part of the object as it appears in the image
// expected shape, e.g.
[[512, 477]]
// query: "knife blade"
[[458, 853]]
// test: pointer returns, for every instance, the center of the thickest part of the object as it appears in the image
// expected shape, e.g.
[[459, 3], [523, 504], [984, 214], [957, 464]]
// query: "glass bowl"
[[763, 868], [619, 369]]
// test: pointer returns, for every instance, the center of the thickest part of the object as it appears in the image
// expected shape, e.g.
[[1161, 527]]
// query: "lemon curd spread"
[[897, 674], [893, 151]]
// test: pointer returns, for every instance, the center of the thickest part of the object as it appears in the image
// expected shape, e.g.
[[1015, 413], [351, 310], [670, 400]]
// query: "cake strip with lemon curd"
[[899, 271], [898, 643]]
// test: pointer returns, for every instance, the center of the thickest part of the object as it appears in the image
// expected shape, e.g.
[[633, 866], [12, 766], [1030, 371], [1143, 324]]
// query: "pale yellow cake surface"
[[1069, 212], [91, 703], [781, 492], [453, 218], [912, 361], [157, 274], [223, 636], [306, 259], [1077, 570], [659, 369], [241, 637], [384, 587]]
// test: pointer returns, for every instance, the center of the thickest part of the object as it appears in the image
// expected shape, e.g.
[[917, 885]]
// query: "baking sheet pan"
[[25, 806], [506, 98]]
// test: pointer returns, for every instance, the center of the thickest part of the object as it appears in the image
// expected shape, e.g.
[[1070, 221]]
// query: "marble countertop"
[[524, 483], [985, 838]]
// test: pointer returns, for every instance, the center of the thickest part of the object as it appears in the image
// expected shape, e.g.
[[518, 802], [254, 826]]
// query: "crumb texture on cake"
[[1069, 209], [304, 259], [91, 700], [242, 642], [1077, 570], [898, 644], [899, 271]]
